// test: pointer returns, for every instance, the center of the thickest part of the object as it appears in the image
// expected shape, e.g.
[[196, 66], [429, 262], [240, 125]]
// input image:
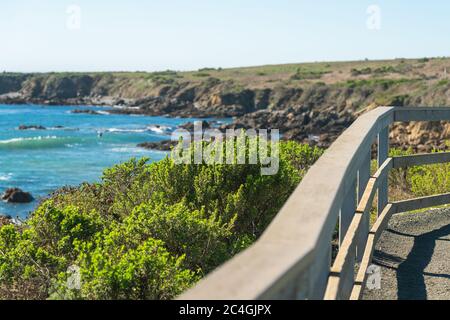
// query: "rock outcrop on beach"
[[16, 195], [298, 123], [86, 111], [311, 102], [165, 145]]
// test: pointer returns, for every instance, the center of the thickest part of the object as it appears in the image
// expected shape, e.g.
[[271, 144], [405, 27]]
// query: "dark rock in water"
[[128, 111], [16, 195], [165, 145], [32, 127], [86, 111], [37, 127]]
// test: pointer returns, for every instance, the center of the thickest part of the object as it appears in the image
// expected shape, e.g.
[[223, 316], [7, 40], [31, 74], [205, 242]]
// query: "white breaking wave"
[[128, 150], [5, 177], [62, 129], [14, 140], [153, 128], [160, 129], [125, 130], [73, 145], [103, 112], [41, 142]]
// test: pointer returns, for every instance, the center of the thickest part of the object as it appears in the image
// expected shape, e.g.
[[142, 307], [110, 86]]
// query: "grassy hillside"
[[429, 71]]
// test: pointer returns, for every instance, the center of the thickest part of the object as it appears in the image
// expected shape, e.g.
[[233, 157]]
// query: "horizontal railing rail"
[[292, 259]]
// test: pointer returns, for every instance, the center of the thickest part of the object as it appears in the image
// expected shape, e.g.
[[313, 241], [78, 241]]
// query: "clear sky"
[[148, 35]]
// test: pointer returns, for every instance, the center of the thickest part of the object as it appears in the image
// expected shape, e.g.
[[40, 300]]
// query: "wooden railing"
[[292, 259]]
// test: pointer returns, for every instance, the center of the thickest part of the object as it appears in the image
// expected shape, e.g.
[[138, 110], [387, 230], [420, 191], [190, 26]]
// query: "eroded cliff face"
[[11, 83], [309, 111], [422, 137], [57, 88]]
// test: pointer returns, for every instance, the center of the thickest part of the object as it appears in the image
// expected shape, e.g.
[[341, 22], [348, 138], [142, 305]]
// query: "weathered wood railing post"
[[320, 269], [363, 179], [383, 152], [347, 211]]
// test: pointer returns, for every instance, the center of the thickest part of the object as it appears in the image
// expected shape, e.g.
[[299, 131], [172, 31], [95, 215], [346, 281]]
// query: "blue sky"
[[153, 35]]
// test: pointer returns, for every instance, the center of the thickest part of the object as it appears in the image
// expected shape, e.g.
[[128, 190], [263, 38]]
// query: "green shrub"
[[363, 71], [116, 267], [147, 231], [202, 74], [387, 69], [422, 180], [304, 74], [400, 100]]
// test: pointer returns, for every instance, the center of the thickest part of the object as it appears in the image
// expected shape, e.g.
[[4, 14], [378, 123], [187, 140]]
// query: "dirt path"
[[414, 255]]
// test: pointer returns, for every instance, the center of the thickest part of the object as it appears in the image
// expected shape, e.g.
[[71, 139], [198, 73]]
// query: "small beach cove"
[[43, 148]]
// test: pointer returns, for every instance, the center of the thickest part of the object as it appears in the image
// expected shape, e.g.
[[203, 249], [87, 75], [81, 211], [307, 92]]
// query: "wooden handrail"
[[373, 237], [421, 159], [292, 259]]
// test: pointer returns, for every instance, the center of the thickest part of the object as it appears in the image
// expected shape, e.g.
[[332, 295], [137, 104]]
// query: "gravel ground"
[[414, 256]]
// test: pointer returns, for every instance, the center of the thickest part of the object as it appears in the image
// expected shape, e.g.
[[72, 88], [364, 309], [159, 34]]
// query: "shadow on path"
[[411, 272]]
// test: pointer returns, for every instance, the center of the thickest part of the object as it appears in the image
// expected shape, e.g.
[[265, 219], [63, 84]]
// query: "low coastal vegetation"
[[146, 231], [151, 231], [415, 181], [419, 181]]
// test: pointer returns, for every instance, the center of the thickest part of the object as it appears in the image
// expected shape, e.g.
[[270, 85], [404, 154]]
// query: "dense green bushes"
[[150, 231], [147, 231], [419, 181]]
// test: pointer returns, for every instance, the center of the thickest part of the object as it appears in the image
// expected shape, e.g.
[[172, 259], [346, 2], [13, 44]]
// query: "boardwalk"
[[414, 253]]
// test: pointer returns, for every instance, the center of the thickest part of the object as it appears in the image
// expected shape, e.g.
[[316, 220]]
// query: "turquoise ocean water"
[[41, 161]]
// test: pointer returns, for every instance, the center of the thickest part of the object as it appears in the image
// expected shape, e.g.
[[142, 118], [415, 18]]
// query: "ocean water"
[[41, 161]]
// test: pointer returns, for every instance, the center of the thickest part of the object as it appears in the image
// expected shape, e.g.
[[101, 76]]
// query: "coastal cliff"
[[311, 102]]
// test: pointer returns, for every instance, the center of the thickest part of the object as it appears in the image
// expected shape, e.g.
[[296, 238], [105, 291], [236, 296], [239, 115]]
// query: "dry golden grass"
[[333, 72]]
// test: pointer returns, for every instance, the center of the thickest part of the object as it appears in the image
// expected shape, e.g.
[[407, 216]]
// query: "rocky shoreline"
[[300, 123], [313, 112], [297, 123], [13, 196], [303, 114]]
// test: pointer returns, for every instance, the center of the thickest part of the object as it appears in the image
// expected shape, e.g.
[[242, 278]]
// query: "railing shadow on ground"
[[411, 272]]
